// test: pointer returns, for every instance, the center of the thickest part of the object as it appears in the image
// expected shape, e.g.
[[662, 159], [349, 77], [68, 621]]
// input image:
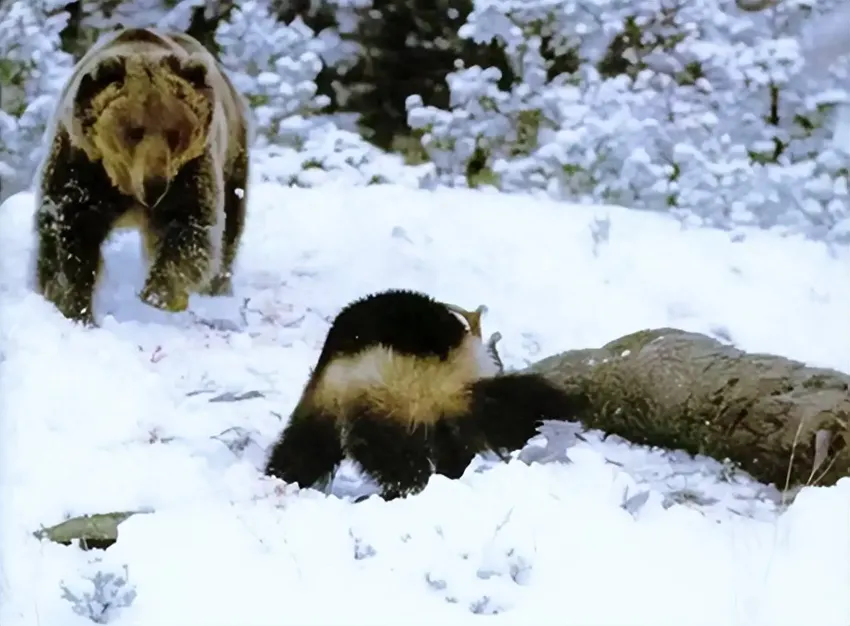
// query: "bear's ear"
[[137, 35], [109, 71], [193, 70]]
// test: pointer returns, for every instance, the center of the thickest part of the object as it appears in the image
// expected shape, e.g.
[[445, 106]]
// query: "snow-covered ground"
[[172, 413]]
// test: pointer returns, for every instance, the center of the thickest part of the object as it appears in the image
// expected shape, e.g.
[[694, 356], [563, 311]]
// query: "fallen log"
[[779, 420]]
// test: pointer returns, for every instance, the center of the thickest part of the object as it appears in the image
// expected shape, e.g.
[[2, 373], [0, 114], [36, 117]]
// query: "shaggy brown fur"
[[150, 134]]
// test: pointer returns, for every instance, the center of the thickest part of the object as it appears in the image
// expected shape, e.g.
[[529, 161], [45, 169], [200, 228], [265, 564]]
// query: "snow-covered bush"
[[100, 595], [335, 23], [717, 115], [378, 52], [164, 14], [408, 46], [334, 156], [275, 67], [690, 107], [198, 18], [32, 69]]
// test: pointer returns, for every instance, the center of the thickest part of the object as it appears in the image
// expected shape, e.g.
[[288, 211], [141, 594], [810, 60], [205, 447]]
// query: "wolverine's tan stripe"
[[408, 389]]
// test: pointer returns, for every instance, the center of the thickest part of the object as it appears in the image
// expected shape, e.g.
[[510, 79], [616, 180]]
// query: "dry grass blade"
[[822, 440]]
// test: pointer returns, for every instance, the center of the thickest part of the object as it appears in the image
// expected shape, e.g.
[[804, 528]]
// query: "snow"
[[171, 414]]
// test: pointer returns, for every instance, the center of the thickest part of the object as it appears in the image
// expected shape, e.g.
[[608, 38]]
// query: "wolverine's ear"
[[193, 70], [108, 72]]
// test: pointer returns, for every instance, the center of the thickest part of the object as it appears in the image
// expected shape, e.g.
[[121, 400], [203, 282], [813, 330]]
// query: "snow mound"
[[173, 413]]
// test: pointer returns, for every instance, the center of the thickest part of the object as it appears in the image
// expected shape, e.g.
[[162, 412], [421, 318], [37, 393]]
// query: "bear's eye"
[[135, 134], [173, 139]]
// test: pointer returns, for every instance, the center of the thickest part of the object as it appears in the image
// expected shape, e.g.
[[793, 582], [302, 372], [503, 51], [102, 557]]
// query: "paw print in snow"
[[487, 590]]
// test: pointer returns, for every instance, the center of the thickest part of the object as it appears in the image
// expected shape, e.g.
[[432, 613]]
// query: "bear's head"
[[144, 115]]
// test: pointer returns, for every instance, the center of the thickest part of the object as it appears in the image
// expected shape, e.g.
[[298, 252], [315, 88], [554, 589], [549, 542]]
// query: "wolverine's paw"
[[164, 297], [220, 285]]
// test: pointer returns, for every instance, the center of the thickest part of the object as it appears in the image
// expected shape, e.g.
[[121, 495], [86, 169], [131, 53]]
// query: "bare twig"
[[493, 351]]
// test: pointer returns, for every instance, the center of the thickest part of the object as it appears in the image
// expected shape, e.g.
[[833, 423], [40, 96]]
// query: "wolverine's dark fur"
[[149, 133], [403, 388]]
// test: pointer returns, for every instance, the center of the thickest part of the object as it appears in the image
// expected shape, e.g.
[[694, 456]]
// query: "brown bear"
[[149, 133]]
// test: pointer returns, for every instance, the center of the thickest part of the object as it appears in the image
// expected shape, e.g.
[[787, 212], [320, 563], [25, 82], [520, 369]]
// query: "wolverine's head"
[[144, 111]]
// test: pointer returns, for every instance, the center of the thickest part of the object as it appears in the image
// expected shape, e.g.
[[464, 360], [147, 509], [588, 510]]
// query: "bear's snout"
[[154, 189]]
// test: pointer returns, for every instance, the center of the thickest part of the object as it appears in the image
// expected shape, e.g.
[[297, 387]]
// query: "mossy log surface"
[[774, 417]]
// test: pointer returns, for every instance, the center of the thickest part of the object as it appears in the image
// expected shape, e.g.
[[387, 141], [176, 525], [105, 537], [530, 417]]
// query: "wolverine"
[[405, 388], [149, 133]]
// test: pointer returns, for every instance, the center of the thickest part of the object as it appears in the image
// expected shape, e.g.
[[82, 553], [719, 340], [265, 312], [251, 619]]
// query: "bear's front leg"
[[184, 229], [235, 208], [76, 210], [68, 258]]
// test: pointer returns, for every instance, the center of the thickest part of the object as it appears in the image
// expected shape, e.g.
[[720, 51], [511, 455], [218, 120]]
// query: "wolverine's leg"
[[395, 456], [308, 450], [456, 441]]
